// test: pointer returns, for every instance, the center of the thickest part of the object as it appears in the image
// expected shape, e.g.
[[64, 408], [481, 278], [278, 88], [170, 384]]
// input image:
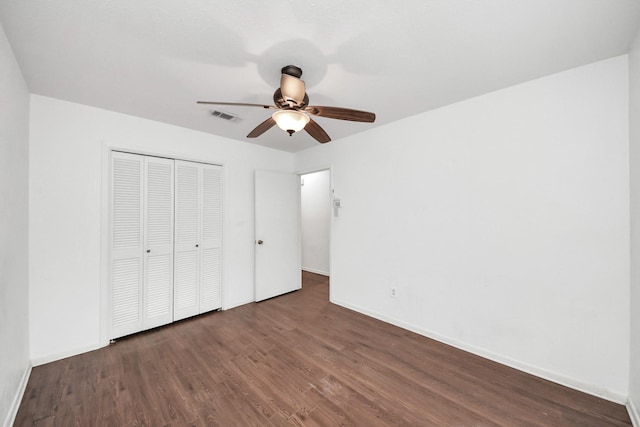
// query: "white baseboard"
[[504, 360], [235, 304], [17, 398], [313, 270], [41, 360], [633, 413]]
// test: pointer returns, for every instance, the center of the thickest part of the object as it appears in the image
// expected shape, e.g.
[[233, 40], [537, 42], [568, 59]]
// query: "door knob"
[[260, 242]]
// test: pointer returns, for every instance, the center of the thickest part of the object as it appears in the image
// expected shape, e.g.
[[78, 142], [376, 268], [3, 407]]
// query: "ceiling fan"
[[293, 113]]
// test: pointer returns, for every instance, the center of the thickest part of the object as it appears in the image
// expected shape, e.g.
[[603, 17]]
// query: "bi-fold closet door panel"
[[211, 239], [158, 240], [198, 238], [141, 243], [187, 238], [127, 244]]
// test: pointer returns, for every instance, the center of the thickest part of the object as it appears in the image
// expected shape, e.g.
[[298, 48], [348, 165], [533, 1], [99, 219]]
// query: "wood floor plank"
[[296, 360]]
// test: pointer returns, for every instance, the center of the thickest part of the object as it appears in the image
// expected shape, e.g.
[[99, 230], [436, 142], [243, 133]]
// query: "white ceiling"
[[156, 58]]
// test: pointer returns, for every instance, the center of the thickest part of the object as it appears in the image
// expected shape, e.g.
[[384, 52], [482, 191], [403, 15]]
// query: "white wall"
[[67, 152], [503, 222], [315, 204], [14, 234], [634, 148]]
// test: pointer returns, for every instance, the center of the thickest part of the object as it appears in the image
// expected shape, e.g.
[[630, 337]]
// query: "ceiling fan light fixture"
[[291, 120]]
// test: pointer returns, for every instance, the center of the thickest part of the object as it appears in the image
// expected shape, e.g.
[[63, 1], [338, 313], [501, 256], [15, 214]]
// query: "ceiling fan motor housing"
[[292, 89]]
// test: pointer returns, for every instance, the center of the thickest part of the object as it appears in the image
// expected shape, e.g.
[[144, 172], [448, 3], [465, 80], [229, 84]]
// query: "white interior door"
[[277, 242]]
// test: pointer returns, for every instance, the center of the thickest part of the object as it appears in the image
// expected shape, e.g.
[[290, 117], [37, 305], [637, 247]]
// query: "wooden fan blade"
[[342, 114], [262, 128], [238, 104], [317, 132]]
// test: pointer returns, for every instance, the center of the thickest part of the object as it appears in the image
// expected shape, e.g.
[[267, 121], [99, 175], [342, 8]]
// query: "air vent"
[[223, 115]]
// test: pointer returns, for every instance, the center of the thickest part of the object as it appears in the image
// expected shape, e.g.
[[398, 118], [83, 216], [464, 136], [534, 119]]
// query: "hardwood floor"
[[296, 360]]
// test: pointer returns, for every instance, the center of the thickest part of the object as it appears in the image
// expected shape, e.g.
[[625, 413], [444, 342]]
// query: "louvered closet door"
[[126, 244], [158, 226], [211, 239], [198, 239], [187, 239]]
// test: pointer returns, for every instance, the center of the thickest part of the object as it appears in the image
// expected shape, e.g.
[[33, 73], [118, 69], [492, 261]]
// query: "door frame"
[[105, 225], [331, 216]]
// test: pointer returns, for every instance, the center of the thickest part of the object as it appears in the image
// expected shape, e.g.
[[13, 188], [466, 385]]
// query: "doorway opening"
[[315, 225]]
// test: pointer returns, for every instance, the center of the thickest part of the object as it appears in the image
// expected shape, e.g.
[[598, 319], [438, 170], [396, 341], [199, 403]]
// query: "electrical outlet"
[[394, 292]]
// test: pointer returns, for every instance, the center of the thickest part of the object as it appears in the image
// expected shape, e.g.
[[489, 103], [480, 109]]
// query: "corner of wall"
[[633, 414], [634, 185], [15, 404]]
